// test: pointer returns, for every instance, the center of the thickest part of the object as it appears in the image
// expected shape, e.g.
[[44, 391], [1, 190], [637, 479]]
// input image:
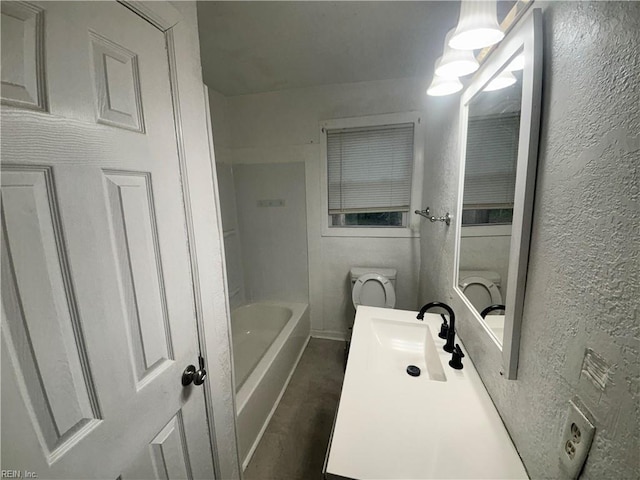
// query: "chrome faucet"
[[451, 331]]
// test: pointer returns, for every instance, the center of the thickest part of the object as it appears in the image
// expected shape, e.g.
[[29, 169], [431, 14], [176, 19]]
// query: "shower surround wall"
[[582, 284], [273, 236]]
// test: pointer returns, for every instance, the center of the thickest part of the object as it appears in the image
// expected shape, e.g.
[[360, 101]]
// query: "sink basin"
[[396, 344]]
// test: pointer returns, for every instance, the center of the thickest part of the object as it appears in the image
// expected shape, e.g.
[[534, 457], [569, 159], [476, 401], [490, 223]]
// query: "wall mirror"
[[500, 119]]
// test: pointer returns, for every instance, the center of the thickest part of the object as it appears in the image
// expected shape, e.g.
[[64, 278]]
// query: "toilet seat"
[[385, 283], [492, 288]]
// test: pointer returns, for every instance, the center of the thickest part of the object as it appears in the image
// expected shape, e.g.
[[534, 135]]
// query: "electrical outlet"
[[576, 441]]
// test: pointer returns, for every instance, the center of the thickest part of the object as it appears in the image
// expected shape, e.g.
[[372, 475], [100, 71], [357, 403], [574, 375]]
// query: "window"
[[490, 170], [374, 219], [369, 175]]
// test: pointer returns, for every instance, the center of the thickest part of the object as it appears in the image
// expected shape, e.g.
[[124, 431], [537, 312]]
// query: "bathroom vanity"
[[389, 424]]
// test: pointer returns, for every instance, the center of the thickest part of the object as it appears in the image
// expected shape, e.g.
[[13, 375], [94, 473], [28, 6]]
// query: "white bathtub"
[[268, 340]]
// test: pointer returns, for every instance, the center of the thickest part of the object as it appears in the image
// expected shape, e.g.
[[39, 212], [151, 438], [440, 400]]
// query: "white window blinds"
[[370, 169], [491, 159]]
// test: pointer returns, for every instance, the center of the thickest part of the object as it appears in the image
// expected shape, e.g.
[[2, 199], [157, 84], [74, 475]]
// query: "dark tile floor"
[[296, 440]]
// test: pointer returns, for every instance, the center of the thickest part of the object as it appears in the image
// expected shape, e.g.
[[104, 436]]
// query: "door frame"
[[204, 239]]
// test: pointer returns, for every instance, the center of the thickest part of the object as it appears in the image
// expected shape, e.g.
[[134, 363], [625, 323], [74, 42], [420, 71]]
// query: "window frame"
[[412, 228]]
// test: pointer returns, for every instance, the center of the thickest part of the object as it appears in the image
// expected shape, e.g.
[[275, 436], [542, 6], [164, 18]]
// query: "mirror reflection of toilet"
[[481, 287], [374, 287]]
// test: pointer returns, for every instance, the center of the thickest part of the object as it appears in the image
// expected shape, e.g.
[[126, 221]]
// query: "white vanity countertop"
[[393, 426]]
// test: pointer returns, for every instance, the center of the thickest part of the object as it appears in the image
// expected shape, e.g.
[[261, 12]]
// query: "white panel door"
[[98, 316]]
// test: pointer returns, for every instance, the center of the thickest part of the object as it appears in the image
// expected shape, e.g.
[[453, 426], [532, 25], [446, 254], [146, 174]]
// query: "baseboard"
[[328, 335], [253, 448]]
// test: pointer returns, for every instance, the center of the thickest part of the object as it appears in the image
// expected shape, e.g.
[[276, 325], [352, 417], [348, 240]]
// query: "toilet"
[[481, 287], [374, 287]]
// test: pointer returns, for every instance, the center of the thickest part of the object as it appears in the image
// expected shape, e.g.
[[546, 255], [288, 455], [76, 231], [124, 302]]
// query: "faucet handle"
[[444, 328], [456, 358]]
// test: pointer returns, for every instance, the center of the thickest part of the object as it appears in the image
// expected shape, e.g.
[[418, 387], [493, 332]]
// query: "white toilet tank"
[[373, 286]]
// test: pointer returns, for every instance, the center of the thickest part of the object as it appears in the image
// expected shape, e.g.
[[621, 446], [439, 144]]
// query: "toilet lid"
[[365, 281], [492, 288]]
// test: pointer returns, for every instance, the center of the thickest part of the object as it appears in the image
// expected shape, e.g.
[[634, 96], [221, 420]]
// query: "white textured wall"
[[582, 287], [284, 127]]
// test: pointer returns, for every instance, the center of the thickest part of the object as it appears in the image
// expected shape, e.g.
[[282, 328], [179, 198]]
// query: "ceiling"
[[263, 46]]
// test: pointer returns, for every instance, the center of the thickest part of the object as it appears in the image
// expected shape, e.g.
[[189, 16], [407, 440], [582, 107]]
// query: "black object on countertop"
[[413, 371], [444, 328], [456, 358]]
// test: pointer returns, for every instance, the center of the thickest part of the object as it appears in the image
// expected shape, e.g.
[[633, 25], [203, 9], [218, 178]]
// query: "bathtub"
[[268, 340]]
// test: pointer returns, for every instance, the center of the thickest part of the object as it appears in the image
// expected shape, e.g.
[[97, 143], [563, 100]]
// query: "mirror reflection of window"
[[492, 154], [491, 169]]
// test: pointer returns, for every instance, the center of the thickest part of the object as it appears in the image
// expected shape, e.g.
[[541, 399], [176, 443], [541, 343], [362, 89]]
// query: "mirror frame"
[[526, 36]]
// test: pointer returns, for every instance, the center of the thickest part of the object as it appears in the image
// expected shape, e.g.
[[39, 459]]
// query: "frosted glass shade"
[[477, 26], [455, 63], [503, 80], [441, 86], [517, 63]]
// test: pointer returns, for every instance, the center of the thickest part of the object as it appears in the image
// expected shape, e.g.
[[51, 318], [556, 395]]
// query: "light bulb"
[[517, 63], [441, 86], [477, 26], [503, 80]]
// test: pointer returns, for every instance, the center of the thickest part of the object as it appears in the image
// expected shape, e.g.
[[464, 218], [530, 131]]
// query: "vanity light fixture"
[[503, 80], [477, 26], [455, 63], [441, 86]]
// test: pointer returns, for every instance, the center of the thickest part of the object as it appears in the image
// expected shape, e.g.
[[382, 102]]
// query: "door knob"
[[190, 374]]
